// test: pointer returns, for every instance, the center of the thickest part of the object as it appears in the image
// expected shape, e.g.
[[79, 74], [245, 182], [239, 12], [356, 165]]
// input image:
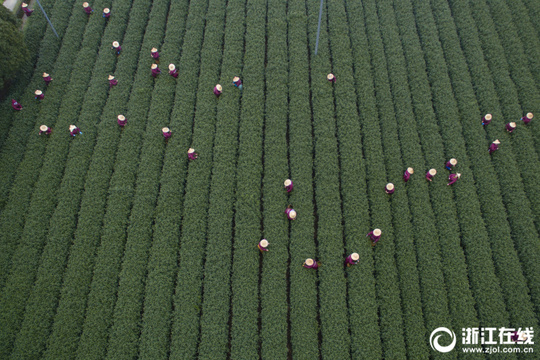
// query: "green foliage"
[[13, 50]]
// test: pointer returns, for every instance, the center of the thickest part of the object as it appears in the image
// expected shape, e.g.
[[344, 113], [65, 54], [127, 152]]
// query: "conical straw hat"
[[330, 76], [85, 4], [292, 214], [45, 74], [432, 172], [115, 44], [390, 186], [38, 92], [43, 128], [218, 87], [453, 161], [72, 127], [309, 262], [235, 79], [111, 77], [264, 243], [488, 117], [410, 170], [497, 142], [355, 256], [165, 129], [154, 50], [191, 150], [24, 5], [106, 10], [287, 182], [154, 66], [530, 115], [377, 232], [458, 175], [513, 124], [172, 67], [121, 117]]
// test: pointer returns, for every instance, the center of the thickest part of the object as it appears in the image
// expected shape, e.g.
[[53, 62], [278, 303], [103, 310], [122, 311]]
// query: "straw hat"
[[121, 117], [172, 67], [115, 44], [287, 182], [410, 170], [85, 4], [235, 79], [453, 161], [106, 10], [458, 175], [72, 127], [309, 262], [111, 77], [330, 76], [45, 74], [512, 124], [488, 117], [432, 172], [497, 142], [355, 256], [530, 115], [24, 5], [264, 243], [218, 87], [191, 151], [38, 92], [389, 186], [292, 214], [165, 129], [377, 232], [153, 50], [43, 128], [154, 66]]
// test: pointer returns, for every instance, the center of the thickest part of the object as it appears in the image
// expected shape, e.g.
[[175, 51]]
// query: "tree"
[[13, 51]]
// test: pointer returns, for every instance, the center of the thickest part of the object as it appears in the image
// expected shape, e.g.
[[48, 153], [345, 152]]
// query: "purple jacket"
[[46, 132], [485, 121], [113, 82], [289, 188], [525, 120], [429, 176], [373, 237], [16, 105], [167, 135], [192, 156], [88, 10], [449, 165], [75, 131], [40, 97], [237, 83], [389, 191], [122, 123], [493, 147], [509, 128], [453, 178], [217, 92], [155, 55], [261, 248], [174, 73], [155, 72], [106, 16], [27, 11], [406, 176], [118, 50], [47, 79], [350, 261]]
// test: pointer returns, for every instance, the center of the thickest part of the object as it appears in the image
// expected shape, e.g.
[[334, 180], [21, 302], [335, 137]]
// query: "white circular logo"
[[435, 342]]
